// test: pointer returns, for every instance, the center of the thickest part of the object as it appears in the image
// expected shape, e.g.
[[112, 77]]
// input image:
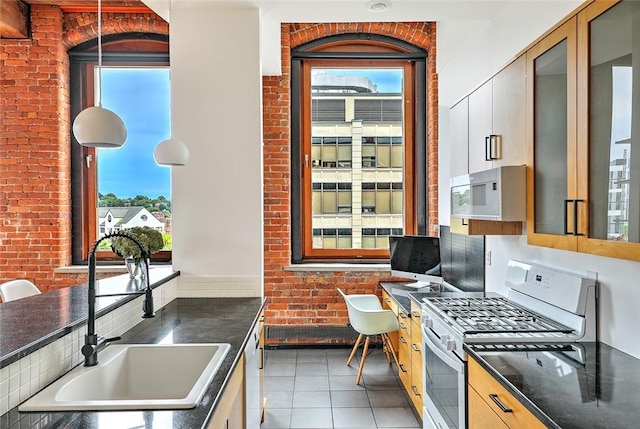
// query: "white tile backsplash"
[[32, 373], [219, 286]]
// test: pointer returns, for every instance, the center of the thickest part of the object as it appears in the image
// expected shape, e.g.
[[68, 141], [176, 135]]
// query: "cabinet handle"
[[402, 315], [402, 340], [402, 325], [575, 217], [415, 314], [487, 148], [415, 391], [490, 142], [495, 399], [401, 366], [415, 348]]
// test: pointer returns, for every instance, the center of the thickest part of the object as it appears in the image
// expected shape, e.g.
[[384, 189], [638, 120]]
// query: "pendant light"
[[171, 152], [96, 126]]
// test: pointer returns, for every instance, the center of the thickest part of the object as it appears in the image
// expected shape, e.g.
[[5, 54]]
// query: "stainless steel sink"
[[135, 377]]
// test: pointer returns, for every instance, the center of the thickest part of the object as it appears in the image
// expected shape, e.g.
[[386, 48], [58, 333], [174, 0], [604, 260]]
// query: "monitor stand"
[[418, 285]]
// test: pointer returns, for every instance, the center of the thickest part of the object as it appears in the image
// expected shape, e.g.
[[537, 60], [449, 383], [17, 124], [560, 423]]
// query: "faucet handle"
[[109, 340]]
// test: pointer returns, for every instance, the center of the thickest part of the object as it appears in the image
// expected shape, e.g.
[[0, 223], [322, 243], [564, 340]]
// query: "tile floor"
[[314, 388]]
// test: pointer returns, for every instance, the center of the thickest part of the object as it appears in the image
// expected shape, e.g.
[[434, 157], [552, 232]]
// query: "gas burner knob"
[[444, 339], [427, 322], [450, 345]]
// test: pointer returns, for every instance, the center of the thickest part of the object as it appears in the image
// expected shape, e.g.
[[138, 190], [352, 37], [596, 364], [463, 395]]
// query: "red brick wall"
[[35, 177], [310, 298]]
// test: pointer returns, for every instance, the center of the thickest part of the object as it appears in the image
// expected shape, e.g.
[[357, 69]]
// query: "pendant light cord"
[[99, 53]]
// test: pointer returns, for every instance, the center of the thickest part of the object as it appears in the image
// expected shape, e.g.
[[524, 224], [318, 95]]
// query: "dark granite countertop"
[[184, 320], [403, 294], [567, 391], [31, 323]]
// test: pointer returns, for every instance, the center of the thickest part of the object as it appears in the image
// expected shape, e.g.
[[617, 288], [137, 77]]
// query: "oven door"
[[444, 384]]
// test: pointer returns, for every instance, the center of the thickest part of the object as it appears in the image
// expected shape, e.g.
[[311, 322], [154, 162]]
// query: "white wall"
[[216, 89], [465, 60], [469, 52]]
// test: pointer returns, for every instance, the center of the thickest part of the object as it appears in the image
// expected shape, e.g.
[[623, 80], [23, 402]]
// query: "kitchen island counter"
[[184, 320]]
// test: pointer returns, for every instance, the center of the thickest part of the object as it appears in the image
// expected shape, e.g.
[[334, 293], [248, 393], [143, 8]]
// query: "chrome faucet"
[[93, 343]]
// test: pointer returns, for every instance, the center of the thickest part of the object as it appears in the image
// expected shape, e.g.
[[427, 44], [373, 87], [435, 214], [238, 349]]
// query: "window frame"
[[124, 49], [358, 50]]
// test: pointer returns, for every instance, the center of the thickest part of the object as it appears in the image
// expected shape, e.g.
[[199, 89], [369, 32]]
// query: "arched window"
[[359, 158], [135, 84]]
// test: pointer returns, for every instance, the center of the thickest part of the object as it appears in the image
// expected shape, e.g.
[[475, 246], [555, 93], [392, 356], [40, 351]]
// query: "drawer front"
[[416, 312], [404, 363], [416, 391], [495, 396], [388, 302], [481, 416]]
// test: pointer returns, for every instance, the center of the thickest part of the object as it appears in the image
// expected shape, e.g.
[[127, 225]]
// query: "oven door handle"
[[431, 341]]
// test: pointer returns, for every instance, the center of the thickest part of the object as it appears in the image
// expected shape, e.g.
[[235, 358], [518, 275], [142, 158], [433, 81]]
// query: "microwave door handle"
[[434, 346]]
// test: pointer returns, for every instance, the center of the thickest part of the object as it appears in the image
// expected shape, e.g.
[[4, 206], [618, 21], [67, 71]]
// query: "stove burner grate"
[[494, 315]]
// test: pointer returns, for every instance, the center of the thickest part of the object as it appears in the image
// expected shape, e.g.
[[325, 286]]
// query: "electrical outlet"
[[488, 261]]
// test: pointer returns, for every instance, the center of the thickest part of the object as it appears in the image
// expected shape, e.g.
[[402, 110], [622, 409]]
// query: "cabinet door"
[[551, 134], [498, 399], [609, 128], [459, 136], [480, 127], [481, 416], [510, 114]]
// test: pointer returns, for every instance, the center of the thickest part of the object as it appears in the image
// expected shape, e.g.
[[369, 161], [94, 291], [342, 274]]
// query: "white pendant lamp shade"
[[99, 127], [171, 152]]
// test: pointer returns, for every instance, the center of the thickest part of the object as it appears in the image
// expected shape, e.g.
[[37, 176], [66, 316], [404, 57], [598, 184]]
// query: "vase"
[[136, 268]]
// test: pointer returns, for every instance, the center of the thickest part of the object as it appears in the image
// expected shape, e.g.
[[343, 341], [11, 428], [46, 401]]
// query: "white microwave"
[[496, 194]]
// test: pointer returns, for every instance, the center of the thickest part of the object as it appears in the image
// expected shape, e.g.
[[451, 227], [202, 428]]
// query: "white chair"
[[16, 289], [368, 318]]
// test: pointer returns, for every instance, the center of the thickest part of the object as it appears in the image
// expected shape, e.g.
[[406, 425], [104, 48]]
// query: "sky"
[[142, 99], [387, 80]]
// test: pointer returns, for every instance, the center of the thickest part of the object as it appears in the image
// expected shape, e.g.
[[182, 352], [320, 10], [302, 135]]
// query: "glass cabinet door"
[[552, 202], [611, 108]]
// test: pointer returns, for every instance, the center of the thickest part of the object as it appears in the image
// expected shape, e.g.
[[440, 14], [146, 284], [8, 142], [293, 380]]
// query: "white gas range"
[[543, 306]]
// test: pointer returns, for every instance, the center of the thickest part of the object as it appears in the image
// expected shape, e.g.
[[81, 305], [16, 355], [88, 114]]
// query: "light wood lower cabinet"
[[407, 343], [230, 411], [490, 403]]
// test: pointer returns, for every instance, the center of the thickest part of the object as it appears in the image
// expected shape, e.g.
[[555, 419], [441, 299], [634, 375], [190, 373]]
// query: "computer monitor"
[[415, 257]]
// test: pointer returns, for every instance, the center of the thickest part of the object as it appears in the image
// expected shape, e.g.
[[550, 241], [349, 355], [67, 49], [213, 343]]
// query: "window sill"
[[80, 269], [337, 267]]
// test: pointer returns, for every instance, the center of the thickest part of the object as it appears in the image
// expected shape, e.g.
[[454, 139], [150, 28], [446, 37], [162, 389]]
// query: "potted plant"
[[149, 238]]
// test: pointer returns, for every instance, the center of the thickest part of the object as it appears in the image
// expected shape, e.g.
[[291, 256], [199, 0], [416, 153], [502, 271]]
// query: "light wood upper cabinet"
[[551, 131], [583, 129]]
